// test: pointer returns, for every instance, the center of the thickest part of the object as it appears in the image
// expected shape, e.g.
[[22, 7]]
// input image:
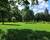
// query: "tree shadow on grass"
[[12, 24]]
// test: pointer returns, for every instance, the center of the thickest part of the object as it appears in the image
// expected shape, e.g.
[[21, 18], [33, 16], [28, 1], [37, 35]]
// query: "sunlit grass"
[[21, 25]]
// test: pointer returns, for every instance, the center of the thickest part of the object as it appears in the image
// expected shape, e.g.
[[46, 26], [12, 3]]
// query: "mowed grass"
[[21, 25]]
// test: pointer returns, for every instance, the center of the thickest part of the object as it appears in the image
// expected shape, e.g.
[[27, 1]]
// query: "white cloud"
[[40, 1], [41, 7]]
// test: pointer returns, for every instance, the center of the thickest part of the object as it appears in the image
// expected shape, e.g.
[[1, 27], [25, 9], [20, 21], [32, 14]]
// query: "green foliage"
[[29, 16], [43, 16], [4, 8], [34, 3], [9, 9], [46, 0], [25, 34], [4, 5], [26, 2]]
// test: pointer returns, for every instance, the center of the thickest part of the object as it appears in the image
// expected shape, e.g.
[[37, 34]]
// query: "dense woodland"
[[9, 12]]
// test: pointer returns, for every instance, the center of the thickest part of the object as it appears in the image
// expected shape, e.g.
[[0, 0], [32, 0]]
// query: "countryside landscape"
[[24, 20]]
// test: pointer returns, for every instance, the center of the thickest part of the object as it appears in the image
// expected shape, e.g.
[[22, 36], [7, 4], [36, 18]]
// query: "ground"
[[21, 25]]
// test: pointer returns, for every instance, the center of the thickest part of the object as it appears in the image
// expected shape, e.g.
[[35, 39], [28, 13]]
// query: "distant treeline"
[[26, 17], [9, 11], [25, 34]]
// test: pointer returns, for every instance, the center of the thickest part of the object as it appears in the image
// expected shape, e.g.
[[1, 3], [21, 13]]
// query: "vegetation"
[[23, 24], [9, 12], [25, 34], [41, 26]]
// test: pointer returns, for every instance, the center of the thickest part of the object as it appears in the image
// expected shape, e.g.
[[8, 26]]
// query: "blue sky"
[[41, 7], [49, 4]]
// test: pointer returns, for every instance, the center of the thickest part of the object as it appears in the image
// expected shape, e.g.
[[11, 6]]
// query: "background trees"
[[9, 10], [29, 16], [4, 9], [26, 13]]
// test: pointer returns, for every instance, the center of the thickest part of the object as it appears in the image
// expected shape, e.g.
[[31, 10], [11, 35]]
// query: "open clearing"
[[20, 25]]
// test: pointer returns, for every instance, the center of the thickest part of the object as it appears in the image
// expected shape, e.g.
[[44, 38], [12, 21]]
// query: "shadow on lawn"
[[24, 34], [12, 24]]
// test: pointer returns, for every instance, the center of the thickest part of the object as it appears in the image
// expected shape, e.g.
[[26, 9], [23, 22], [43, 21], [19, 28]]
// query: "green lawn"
[[19, 25]]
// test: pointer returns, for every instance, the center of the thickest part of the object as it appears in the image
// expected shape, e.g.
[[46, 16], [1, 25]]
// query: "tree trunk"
[[22, 18], [3, 21], [3, 18]]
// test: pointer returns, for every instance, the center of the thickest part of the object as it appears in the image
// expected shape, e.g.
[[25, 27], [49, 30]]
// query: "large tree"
[[26, 10], [14, 10], [46, 13], [4, 8]]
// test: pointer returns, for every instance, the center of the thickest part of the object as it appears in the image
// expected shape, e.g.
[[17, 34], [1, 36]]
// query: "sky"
[[49, 5], [37, 8], [41, 7]]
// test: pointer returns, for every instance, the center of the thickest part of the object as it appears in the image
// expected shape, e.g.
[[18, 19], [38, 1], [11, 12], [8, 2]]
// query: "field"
[[21, 25]]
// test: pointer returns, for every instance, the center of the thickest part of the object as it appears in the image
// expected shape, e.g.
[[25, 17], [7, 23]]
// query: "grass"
[[20, 25]]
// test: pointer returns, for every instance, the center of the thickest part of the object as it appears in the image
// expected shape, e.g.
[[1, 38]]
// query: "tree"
[[40, 17], [26, 11], [29, 16], [18, 16], [14, 8], [37, 17], [46, 13], [4, 8], [46, 0], [34, 2], [23, 12]]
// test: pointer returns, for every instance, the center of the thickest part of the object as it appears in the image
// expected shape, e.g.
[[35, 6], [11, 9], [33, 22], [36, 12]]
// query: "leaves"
[[26, 2], [46, 0]]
